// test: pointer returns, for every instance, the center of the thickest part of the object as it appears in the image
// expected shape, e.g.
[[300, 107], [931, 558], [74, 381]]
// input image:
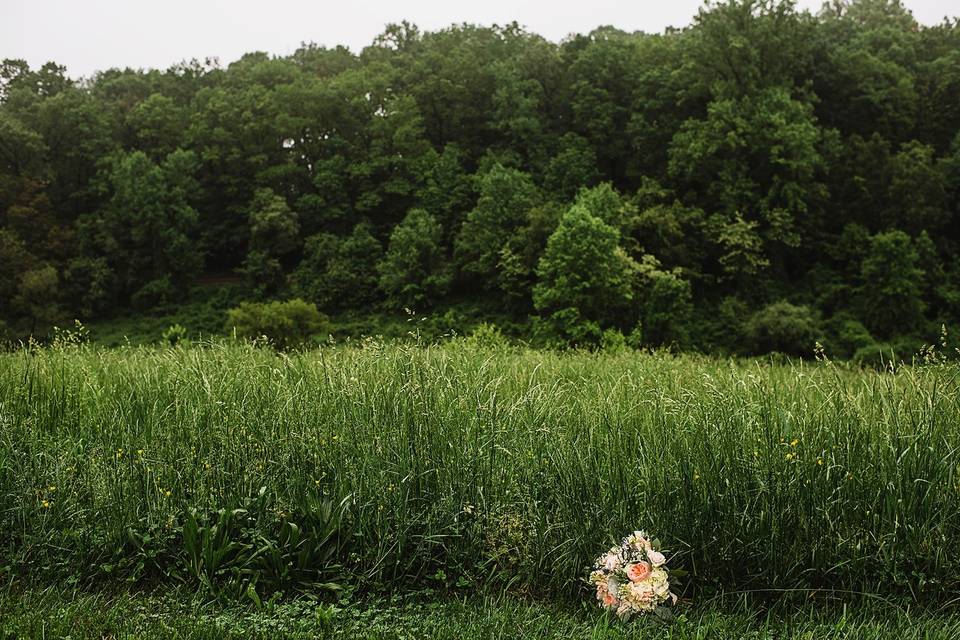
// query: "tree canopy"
[[761, 179]]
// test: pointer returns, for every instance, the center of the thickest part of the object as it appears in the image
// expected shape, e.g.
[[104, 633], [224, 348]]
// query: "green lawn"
[[63, 615]]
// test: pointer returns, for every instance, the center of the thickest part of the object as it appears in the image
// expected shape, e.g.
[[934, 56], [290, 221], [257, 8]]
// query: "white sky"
[[91, 35]]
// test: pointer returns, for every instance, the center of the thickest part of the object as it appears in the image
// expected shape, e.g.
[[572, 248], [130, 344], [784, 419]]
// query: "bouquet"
[[632, 578]]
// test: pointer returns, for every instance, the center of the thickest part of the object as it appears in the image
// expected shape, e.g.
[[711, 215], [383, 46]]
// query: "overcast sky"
[[91, 35]]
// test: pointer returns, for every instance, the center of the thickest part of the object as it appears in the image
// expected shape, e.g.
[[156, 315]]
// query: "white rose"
[[657, 559]]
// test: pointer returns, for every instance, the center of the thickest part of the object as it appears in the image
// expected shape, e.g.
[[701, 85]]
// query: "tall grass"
[[461, 467]]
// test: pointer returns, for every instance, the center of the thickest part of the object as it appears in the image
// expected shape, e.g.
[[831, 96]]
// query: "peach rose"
[[638, 571], [610, 600]]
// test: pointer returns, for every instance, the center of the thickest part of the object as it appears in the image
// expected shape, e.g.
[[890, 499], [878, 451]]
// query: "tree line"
[[761, 179]]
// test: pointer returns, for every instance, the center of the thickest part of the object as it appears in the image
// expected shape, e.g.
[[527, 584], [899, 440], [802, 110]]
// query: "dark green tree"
[[891, 284], [340, 273], [415, 272], [506, 197], [149, 226]]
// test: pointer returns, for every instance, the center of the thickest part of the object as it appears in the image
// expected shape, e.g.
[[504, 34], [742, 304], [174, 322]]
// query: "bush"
[[263, 273], [785, 328], [613, 341], [849, 336], [877, 356], [487, 336], [886, 354], [339, 272], [6, 334], [155, 293], [174, 334], [566, 328], [286, 324], [891, 295]]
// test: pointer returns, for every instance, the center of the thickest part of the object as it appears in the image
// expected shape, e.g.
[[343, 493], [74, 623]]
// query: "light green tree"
[[585, 279]]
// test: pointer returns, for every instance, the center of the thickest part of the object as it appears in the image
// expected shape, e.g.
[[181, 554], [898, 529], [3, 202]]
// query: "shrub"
[[850, 336], [487, 335], [566, 328], [174, 335], [887, 354], [263, 273], [877, 356], [613, 341], [722, 328], [635, 337], [286, 324], [783, 327], [155, 293]]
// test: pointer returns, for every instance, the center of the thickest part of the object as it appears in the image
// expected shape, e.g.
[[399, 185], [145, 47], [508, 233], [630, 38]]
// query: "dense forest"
[[760, 180]]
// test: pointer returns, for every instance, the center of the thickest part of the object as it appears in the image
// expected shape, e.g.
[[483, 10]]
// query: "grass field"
[[248, 478]]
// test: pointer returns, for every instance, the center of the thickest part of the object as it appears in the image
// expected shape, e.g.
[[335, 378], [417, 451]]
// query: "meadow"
[[250, 478]]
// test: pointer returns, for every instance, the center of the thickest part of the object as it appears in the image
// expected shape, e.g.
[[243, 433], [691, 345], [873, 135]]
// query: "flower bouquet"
[[631, 578]]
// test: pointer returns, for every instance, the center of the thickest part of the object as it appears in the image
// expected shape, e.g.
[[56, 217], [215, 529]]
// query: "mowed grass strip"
[[53, 614]]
